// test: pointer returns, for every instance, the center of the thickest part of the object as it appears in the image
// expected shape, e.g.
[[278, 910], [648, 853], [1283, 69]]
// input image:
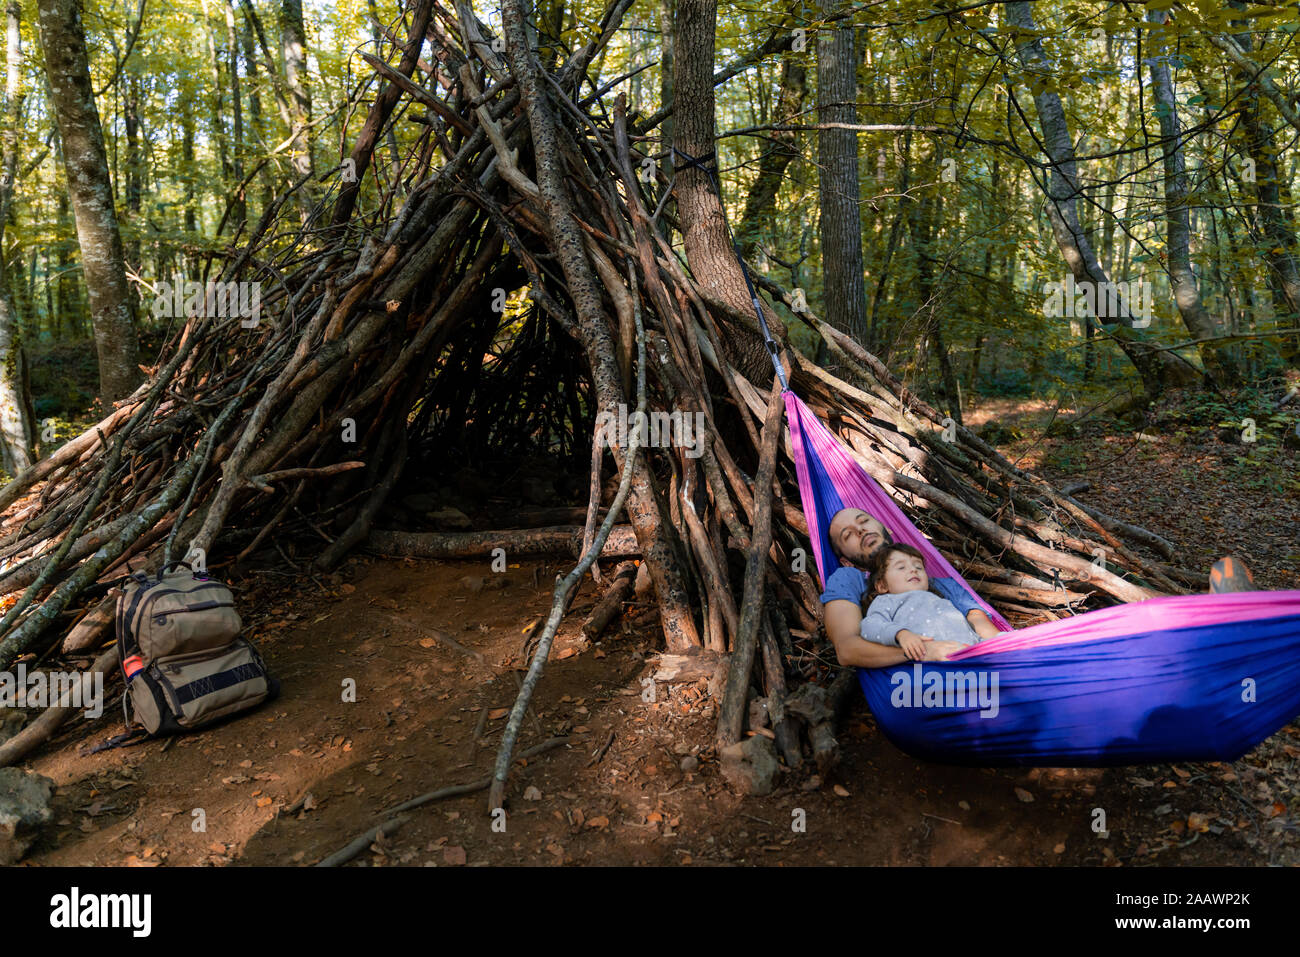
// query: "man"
[[854, 535]]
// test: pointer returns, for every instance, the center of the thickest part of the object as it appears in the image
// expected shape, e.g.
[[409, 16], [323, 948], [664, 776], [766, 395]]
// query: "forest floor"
[[638, 782]]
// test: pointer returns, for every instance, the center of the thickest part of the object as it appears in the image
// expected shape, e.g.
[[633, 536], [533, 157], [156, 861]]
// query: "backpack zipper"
[[201, 606]]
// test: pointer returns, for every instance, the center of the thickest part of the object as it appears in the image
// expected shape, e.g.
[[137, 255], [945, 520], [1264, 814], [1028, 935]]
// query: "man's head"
[[854, 535]]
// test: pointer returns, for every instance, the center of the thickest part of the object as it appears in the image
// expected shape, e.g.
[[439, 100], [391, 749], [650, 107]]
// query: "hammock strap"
[[699, 162]]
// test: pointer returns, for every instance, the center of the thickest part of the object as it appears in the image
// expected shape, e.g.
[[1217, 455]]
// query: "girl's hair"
[[877, 561]]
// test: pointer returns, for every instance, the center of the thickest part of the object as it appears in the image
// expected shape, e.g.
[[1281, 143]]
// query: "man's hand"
[[914, 645], [940, 650], [982, 624]]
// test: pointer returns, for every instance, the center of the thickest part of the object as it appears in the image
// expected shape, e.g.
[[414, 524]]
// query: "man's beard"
[[861, 563]]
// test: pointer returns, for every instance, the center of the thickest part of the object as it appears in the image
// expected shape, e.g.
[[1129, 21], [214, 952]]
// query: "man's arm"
[[961, 599], [879, 627], [843, 624]]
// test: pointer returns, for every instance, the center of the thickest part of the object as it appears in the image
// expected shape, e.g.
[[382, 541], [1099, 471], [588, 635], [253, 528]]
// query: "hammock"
[[1181, 678]]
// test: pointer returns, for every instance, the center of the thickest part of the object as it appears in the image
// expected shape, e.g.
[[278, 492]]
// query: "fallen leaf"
[[454, 854], [1277, 808], [264, 802], [1059, 849], [1024, 795], [841, 790], [555, 849], [566, 653], [496, 713], [599, 821], [532, 793]]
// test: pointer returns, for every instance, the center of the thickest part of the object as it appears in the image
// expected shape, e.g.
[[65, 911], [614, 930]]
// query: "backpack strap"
[[119, 741]]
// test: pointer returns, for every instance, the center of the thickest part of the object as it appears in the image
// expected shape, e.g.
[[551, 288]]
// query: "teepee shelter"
[[490, 294]]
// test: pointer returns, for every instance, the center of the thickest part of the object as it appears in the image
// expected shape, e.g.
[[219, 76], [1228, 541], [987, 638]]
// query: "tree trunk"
[[91, 192], [843, 292], [239, 202], [708, 249], [17, 438], [777, 155], [667, 11], [921, 219], [134, 171], [1279, 239], [1157, 369], [293, 44], [256, 124], [1177, 223]]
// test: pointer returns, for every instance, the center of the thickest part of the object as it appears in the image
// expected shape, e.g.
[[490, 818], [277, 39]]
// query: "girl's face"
[[902, 573]]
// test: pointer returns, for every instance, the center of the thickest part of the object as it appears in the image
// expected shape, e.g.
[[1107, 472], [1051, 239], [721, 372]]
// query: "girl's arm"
[[983, 625], [879, 627]]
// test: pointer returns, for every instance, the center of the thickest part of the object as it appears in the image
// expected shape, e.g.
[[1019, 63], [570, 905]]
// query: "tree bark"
[[1177, 221], [238, 202], [293, 44], [1279, 238], [1157, 369], [91, 191], [843, 292], [17, 434], [704, 227], [777, 156]]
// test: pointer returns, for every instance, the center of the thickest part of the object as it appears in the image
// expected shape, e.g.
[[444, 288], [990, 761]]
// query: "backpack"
[[182, 658]]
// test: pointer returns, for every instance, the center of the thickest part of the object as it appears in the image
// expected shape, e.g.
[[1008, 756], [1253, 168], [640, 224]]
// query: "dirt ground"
[[637, 782], [411, 730]]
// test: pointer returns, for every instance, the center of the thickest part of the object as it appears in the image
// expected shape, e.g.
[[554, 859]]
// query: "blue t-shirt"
[[849, 584]]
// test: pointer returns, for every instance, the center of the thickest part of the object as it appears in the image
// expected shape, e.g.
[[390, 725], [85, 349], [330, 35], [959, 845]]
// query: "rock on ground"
[[24, 806]]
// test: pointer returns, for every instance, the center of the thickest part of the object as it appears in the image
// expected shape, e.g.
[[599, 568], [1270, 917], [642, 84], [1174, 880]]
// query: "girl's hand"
[[914, 645]]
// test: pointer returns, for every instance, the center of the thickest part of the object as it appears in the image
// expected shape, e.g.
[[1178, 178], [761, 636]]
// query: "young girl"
[[899, 609]]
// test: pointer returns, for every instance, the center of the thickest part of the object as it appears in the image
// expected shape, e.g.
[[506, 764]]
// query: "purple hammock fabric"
[[1180, 678]]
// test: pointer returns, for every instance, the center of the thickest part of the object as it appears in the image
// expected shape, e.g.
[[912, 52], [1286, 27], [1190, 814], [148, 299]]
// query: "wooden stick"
[[610, 605], [362, 841], [263, 482], [51, 719], [731, 714], [458, 789]]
